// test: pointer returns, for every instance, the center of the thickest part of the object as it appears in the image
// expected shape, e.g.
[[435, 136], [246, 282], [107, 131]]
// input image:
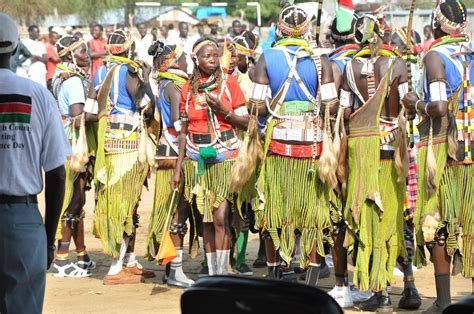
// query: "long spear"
[[318, 22], [409, 52]]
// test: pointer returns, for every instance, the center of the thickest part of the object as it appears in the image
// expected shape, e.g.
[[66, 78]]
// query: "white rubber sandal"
[[65, 271], [90, 265]]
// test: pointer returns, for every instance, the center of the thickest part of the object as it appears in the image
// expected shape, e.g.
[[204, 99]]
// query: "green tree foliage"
[[31, 11], [26, 11], [270, 10], [88, 10]]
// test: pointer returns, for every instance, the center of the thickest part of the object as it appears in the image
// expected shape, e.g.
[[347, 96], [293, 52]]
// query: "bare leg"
[[222, 237], [442, 267], [176, 276], [314, 269], [339, 256], [70, 221], [222, 226], [273, 259]]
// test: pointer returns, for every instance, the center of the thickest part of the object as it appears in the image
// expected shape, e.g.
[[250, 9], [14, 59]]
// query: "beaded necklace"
[[177, 76], [345, 51], [291, 41], [449, 39], [384, 51], [74, 70]]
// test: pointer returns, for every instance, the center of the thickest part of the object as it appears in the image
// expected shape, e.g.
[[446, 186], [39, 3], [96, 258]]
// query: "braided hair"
[[66, 45], [195, 79], [249, 41], [65, 42], [120, 37], [117, 37], [454, 10], [160, 52]]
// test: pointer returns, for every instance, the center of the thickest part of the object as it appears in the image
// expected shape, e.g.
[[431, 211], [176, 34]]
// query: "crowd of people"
[[317, 153]]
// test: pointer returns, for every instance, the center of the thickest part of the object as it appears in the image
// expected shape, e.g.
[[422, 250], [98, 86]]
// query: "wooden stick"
[[168, 215], [348, 226], [409, 52], [318, 22]]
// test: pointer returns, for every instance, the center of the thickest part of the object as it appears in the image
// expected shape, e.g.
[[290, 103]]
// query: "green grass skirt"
[[381, 231], [117, 200], [210, 189], [426, 205], [383, 237], [68, 193], [161, 203], [454, 201], [457, 212], [293, 199]]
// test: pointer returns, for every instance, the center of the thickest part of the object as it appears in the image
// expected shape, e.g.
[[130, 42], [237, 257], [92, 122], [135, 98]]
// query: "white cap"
[[8, 34]]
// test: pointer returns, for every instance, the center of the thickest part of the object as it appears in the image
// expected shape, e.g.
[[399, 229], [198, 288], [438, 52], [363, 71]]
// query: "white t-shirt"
[[32, 137], [141, 48], [71, 91], [186, 45], [36, 71]]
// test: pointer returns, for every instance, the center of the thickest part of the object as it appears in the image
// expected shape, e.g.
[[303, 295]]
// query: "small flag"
[[344, 16], [167, 251], [15, 108]]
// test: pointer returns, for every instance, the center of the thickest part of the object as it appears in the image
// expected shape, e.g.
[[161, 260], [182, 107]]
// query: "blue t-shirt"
[[71, 91]]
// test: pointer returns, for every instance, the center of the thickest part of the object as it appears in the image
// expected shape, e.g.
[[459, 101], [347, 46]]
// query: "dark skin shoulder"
[[391, 107], [435, 71], [138, 88], [135, 87], [337, 74]]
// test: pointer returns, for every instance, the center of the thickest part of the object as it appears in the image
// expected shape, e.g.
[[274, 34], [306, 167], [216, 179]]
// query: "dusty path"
[[66, 295]]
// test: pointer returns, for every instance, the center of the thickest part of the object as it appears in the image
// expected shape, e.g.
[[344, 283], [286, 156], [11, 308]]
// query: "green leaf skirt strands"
[[117, 199], [210, 189], [294, 200], [161, 203]]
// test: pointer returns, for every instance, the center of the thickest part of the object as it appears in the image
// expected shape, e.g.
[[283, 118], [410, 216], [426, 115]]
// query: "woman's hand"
[[175, 180], [216, 104], [409, 101]]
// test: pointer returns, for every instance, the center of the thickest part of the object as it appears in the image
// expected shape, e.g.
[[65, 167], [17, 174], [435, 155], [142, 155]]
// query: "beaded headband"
[[171, 59], [70, 48], [116, 49], [448, 26], [244, 50], [206, 42], [299, 28]]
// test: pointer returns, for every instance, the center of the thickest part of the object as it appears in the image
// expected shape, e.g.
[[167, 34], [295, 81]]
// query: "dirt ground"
[[68, 295]]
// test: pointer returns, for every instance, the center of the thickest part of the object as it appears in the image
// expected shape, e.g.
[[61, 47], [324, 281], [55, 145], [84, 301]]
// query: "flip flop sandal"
[[90, 265], [70, 270]]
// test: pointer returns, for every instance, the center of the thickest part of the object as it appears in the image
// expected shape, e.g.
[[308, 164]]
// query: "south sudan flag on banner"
[[15, 108]]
